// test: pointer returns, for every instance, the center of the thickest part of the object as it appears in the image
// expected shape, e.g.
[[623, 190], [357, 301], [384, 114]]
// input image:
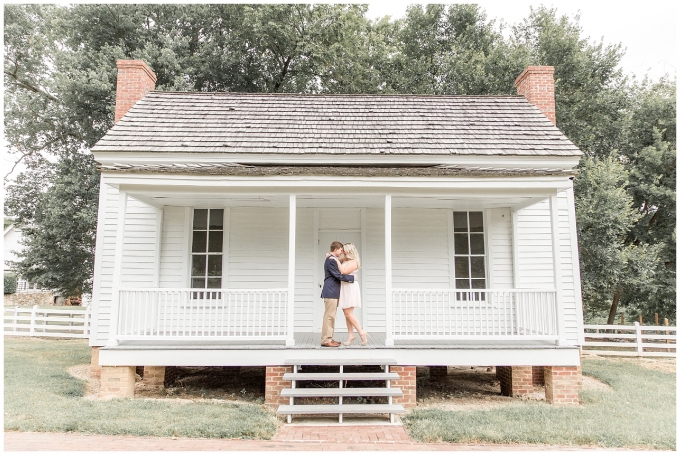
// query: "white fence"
[[62, 323], [493, 314], [636, 340], [180, 314]]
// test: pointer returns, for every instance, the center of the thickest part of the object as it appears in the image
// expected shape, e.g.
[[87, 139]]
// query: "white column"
[[290, 338], [515, 250], [389, 341], [117, 268], [157, 248], [557, 268]]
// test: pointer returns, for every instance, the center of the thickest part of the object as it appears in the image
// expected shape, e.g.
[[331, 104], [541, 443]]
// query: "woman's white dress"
[[350, 294]]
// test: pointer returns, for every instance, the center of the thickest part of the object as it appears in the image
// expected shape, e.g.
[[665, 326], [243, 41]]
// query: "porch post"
[[515, 251], [557, 268], [117, 268], [389, 341], [290, 337]]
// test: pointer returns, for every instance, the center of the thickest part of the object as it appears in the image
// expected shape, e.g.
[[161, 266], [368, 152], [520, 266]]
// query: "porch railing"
[[181, 314], [476, 314]]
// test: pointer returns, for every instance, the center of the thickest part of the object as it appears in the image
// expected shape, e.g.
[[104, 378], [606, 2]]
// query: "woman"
[[350, 294]]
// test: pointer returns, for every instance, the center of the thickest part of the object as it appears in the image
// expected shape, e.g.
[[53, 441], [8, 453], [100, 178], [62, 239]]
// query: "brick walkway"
[[289, 437]]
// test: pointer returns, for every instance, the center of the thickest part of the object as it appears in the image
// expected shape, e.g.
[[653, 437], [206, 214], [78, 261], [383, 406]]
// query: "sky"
[[648, 30]]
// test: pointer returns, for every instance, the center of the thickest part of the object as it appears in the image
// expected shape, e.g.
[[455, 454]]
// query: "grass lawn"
[[41, 396], [638, 412]]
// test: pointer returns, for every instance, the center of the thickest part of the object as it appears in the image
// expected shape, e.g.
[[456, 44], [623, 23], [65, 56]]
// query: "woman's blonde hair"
[[352, 253]]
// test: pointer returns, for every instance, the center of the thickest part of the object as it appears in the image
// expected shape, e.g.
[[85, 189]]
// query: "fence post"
[[638, 338], [640, 318], [33, 311], [656, 319], [86, 322], [16, 313], [665, 322]]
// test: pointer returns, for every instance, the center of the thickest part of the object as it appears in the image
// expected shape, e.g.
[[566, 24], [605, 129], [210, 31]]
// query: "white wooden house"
[[216, 210]]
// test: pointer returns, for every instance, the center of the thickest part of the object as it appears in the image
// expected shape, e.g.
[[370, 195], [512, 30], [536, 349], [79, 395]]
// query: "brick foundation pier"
[[407, 384], [561, 385], [117, 382], [154, 377], [561, 382], [274, 384]]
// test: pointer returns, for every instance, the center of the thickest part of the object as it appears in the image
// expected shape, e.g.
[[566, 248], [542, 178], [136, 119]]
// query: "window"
[[468, 244], [206, 249]]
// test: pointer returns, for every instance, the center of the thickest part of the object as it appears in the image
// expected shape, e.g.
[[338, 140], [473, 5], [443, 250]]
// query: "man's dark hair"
[[335, 246]]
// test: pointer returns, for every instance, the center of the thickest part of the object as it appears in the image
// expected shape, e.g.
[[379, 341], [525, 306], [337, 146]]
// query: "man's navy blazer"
[[331, 282]]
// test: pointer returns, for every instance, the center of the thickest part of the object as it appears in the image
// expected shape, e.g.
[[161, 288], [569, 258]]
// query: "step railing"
[[200, 314], [480, 314]]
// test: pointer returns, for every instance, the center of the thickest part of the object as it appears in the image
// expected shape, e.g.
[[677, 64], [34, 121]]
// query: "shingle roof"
[[336, 124]]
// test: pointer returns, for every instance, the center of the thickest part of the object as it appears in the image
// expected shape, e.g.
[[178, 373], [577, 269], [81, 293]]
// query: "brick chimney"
[[135, 80], [537, 85]]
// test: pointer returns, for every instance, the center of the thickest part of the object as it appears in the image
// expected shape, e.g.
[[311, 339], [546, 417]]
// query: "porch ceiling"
[[442, 201]]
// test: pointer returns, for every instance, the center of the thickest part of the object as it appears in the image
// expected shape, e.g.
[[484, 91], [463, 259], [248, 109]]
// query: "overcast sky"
[[648, 30]]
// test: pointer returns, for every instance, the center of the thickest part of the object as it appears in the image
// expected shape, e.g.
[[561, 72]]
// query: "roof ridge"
[[353, 95]]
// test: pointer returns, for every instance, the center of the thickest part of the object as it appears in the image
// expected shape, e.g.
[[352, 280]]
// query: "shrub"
[[10, 280]]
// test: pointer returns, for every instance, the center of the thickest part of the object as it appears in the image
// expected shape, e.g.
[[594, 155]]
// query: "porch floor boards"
[[312, 340]]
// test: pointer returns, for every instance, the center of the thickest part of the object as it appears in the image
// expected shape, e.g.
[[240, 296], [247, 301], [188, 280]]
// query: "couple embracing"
[[341, 289]]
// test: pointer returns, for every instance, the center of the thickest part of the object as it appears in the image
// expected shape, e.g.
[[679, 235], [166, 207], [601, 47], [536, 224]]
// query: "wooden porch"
[[312, 341], [307, 345]]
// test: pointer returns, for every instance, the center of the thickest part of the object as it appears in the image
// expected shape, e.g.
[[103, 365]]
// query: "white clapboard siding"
[[534, 247], [306, 294], [534, 251], [139, 247], [258, 248], [103, 275], [138, 259], [572, 321], [420, 248], [373, 270], [498, 230], [174, 249]]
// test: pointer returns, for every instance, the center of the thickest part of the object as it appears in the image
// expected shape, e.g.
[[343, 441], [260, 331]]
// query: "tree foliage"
[[60, 79]]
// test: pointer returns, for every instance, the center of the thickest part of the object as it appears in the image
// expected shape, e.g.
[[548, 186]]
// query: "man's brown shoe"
[[331, 344]]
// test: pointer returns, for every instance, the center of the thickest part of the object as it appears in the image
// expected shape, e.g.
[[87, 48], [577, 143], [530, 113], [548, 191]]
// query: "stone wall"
[[41, 298]]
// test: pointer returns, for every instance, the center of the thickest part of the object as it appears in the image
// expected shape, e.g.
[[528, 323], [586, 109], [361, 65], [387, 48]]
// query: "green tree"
[[650, 150], [452, 50], [590, 89], [61, 257], [605, 214]]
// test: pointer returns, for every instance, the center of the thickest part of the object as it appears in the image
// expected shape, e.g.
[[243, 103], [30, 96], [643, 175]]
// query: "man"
[[331, 293]]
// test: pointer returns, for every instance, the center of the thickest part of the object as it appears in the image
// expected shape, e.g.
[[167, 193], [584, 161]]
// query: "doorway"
[[326, 237]]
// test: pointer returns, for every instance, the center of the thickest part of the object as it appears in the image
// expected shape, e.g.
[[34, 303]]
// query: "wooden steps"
[[344, 392], [341, 391], [337, 362], [341, 409], [340, 376]]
